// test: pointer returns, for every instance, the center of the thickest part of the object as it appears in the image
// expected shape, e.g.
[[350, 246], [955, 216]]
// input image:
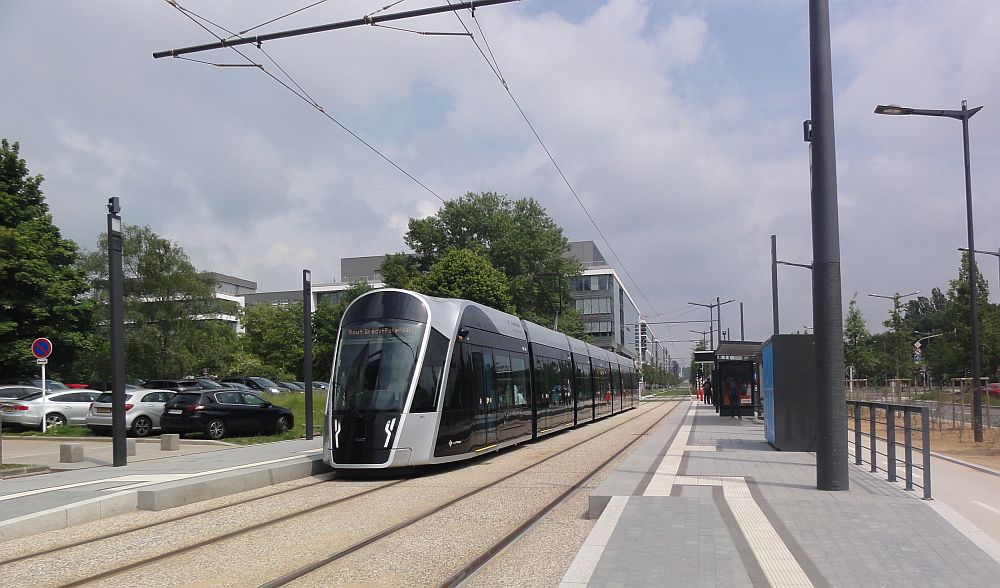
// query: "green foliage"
[[40, 284], [517, 237], [462, 273], [399, 270], [274, 334], [858, 350], [170, 311]]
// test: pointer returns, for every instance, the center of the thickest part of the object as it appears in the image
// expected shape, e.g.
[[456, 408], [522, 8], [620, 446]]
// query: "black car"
[[174, 385], [218, 413], [258, 383]]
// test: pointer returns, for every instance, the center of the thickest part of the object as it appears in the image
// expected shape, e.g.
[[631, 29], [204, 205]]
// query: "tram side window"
[[458, 380], [566, 381], [425, 396], [583, 380], [505, 391], [519, 378]]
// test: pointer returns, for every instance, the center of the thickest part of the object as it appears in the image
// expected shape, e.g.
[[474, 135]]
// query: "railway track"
[[177, 556], [470, 568]]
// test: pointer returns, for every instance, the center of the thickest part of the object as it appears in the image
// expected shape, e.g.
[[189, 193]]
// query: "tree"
[[955, 355], [40, 284], [858, 350], [462, 273], [517, 237], [274, 335], [170, 310]]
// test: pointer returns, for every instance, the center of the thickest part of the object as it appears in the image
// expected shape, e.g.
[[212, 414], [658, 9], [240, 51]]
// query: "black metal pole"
[[977, 392], [307, 361], [742, 334], [774, 282], [117, 324], [718, 310], [831, 454]]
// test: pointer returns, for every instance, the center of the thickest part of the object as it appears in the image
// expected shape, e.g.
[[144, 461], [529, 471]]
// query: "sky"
[[678, 124]]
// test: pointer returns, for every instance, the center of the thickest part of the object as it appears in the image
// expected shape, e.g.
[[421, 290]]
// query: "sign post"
[[41, 348]]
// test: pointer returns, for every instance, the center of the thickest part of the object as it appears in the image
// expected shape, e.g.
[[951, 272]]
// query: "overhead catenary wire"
[[494, 66], [300, 92]]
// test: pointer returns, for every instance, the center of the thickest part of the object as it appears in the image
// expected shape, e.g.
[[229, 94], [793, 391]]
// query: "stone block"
[[70, 452], [170, 442]]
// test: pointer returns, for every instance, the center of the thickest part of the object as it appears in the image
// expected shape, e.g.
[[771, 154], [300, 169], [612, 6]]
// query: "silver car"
[[142, 411], [61, 408]]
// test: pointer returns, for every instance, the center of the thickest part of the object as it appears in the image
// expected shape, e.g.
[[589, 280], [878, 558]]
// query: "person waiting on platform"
[[733, 398]]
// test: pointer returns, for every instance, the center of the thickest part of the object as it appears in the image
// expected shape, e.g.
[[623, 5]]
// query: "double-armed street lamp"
[[717, 305], [963, 115], [895, 318]]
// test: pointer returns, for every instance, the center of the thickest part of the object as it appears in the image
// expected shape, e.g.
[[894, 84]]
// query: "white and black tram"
[[422, 380]]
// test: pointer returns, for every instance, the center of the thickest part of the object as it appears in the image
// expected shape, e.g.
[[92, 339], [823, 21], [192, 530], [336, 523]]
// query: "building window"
[[594, 306]]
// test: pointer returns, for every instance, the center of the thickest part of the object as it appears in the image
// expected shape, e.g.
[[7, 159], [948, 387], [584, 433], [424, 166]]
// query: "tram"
[[420, 380]]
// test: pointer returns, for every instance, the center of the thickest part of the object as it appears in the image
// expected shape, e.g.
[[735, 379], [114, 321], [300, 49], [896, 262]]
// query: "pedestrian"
[[733, 398], [708, 391]]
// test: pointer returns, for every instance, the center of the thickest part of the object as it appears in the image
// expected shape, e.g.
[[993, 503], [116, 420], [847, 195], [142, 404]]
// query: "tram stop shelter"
[[735, 378]]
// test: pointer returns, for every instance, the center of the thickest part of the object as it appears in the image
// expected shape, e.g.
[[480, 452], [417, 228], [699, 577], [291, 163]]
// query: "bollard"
[[70, 453], [130, 447], [170, 442]]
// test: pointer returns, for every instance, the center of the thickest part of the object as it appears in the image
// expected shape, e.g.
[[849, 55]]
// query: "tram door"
[[485, 423]]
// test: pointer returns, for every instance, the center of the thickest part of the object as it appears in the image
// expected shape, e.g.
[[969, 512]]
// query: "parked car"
[[106, 386], [208, 383], [173, 385], [294, 386], [61, 408], [219, 413], [11, 392], [143, 409], [316, 385], [993, 389], [257, 383], [50, 385]]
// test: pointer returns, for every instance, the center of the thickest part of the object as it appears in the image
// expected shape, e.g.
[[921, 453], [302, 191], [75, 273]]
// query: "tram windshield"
[[375, 365]]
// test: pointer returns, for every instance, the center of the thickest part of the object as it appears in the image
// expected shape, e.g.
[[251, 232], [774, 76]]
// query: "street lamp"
[[710, 306], [895, 318], [116, 304], [995, 254], [774, 278], [963, 115]]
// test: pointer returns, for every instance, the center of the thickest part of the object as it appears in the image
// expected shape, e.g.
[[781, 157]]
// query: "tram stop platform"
[[92, 489], [706, 501]]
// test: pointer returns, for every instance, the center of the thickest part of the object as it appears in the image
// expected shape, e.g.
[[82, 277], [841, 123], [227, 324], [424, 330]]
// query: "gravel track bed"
[[423, 554]]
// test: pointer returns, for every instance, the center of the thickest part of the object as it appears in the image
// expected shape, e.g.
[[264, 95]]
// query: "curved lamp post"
[[963, 115]]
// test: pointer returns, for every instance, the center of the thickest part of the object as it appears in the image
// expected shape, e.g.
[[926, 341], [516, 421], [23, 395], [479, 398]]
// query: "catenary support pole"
[[831, 454], [774, 282]]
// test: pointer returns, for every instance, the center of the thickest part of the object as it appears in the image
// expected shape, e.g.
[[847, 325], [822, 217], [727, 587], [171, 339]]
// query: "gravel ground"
[[423, 554]]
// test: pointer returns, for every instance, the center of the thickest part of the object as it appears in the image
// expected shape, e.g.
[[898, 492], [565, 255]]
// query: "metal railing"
[[880, 418]]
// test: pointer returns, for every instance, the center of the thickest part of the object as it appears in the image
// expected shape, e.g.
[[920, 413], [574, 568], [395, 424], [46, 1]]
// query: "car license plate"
[[103, 410], [174, 411]]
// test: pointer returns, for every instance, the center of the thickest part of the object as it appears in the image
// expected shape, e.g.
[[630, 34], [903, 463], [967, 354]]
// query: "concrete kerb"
[[181, 492], [160, 497]]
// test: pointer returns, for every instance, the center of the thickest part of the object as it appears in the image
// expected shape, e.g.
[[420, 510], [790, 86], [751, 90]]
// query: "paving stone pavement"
[[875, 534]]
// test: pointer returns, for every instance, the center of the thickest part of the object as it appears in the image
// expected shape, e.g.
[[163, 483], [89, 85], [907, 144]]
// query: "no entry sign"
[[41, 347]]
